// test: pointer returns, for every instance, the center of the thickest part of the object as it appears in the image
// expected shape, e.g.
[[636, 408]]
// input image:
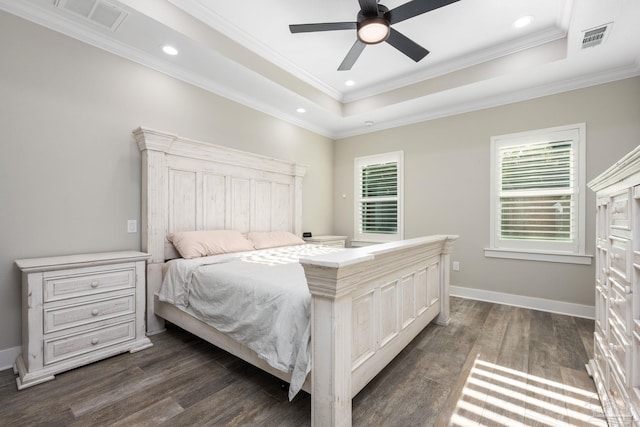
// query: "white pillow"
[[194, 244], [273, 239]]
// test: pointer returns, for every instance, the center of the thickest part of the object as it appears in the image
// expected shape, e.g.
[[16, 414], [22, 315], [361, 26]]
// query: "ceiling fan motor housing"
[[373, 29]]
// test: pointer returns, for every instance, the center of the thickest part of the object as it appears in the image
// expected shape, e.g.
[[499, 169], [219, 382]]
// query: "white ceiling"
[[243, 50]]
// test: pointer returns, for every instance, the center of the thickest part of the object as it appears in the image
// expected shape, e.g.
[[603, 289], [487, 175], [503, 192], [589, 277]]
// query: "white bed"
[[367, 304]]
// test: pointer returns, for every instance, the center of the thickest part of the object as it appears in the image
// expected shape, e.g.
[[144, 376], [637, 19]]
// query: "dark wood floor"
[[494, 365]]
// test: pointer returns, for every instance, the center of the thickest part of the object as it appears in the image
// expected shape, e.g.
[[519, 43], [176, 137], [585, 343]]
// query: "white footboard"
[[368, 304]]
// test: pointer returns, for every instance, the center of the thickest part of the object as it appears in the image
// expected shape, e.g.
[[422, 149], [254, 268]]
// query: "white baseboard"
[[570, 309], [8, 357]]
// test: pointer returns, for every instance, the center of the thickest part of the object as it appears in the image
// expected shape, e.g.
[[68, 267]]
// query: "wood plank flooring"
[[494, 365]]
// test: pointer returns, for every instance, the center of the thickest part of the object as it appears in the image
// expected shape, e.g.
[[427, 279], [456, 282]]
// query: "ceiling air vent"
[[99, 12], [596, 36]]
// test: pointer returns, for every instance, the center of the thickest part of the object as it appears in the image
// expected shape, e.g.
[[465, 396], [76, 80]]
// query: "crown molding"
[[465, 61], [594, 79], [196, 8]]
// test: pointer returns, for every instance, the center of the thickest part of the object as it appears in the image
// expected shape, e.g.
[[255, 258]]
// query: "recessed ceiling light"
[[301, 110], [170, 50], [349, 83], [368, 123], [522, 21]]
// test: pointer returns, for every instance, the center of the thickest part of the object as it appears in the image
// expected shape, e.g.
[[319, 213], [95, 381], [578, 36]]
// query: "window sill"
[[538, 256]]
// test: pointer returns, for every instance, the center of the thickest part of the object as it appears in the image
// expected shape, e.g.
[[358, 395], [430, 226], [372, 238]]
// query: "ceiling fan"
[[373, 25]]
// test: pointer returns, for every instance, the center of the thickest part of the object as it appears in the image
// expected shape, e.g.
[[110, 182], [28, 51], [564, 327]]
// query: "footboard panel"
[[367, 305], [387, 317]]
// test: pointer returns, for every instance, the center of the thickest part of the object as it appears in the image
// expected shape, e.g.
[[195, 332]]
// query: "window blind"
[[537, 187], [378, 202]]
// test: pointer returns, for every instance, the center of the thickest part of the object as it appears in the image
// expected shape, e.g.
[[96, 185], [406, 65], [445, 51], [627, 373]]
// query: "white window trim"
[[519, 250], [364, 238]]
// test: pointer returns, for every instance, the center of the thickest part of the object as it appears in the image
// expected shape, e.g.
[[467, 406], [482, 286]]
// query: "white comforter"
[[258, 298]]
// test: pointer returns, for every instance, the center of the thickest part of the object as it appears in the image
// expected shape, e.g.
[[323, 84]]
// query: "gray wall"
[[447, 181], [69, 167]]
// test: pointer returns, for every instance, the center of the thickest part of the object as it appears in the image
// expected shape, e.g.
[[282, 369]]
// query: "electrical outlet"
[[455, 266], [132, 226]]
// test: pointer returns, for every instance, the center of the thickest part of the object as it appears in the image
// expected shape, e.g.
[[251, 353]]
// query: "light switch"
[[132, 226]]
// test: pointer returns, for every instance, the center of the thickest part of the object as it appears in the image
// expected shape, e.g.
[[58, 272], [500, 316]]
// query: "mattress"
[[258, 298]]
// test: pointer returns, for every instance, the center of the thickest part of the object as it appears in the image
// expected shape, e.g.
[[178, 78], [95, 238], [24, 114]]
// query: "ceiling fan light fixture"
[[373, 30]]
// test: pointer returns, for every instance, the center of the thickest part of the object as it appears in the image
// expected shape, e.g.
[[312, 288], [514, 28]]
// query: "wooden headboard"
[[191, 185]]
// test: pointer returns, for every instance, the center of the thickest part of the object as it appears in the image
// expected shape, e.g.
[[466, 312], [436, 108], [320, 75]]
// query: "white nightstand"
[[78, 309], [335, 241]]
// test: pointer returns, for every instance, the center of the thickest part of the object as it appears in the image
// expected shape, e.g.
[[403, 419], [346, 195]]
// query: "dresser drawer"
[[599, 356], [601, 263], [635, 376], [59, 318], [619, 213], [620, 257], [620, 303], [602, 225], [56, 350], [602, 308], [78, 282], [619, 397], [620, 351]]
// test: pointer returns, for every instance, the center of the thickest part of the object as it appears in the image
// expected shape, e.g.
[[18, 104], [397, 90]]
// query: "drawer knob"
[[94, 312], [627, 289], [94, 341], [95, 284], [617, 301]]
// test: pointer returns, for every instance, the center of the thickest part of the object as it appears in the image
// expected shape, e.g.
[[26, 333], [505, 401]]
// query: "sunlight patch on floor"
[[494, 395]]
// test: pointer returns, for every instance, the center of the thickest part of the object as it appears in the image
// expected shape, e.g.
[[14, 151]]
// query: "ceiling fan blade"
[[352, 56], [414, 8], [328, 26], [368, 7], [406, 45]]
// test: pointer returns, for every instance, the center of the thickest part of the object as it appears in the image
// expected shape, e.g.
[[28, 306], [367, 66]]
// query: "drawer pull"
[[615, 347], [94, 341], [617, 301], [95, 284], [94, 312]]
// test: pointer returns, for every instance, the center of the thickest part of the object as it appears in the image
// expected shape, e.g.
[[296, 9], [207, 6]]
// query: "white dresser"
[[616, 364], [78, 309]]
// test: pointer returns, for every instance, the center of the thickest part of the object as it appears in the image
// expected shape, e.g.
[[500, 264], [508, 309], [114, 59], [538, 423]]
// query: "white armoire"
[[615, 366]]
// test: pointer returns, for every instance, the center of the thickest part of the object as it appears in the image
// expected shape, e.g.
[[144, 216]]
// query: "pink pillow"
[[273, 239], [194, 244]]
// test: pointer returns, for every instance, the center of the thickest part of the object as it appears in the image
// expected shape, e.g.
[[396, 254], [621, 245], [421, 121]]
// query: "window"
[[537, 195], [378, 197]]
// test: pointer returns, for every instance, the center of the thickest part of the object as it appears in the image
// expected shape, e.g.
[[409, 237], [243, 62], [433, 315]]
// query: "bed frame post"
[[331, 285], [153, 146], [444, 317]]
